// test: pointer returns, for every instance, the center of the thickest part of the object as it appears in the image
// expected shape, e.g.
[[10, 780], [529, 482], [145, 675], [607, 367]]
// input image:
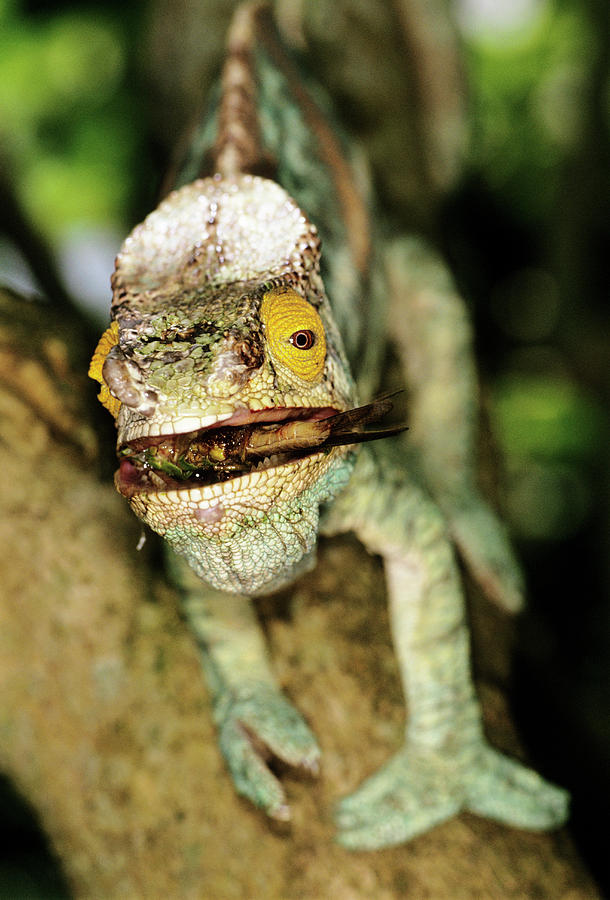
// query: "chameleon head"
[[222, 339]]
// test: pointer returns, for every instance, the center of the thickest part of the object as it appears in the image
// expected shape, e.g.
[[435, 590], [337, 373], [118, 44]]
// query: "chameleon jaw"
[[229, 532], [244, 508], [243, 443], [223, 525], [212, 450]]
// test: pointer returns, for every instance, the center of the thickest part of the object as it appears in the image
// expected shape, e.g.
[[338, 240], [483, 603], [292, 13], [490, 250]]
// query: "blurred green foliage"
[[550, 431], [528, 92], [546, 417], [67, 115], [534, 95]]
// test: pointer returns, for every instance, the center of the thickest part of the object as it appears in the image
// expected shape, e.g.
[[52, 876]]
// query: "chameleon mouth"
[[244, 443]]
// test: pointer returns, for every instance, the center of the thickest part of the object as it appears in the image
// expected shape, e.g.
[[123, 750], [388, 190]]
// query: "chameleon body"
[[227, 315]]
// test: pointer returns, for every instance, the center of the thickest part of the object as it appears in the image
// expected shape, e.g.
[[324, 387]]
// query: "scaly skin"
[[210, 296]]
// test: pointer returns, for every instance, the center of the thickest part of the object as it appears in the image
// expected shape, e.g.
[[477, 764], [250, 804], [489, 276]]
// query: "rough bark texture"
[[104, 718]]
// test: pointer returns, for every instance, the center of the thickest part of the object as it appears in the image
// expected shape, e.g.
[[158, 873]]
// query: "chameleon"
[[250, 319]]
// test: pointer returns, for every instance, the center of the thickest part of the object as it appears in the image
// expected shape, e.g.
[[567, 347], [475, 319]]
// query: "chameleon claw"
[[281, 813], [311, 766], [257, 724]]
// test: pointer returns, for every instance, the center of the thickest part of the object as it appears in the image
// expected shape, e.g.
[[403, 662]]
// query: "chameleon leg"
[[430, 325], [255, 721], [445, 764]]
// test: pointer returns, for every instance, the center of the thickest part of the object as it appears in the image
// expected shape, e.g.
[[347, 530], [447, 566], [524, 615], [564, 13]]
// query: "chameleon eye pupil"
[[303, 340]]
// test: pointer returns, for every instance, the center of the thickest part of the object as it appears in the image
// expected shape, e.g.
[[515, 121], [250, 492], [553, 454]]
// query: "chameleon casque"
[[249, 320]]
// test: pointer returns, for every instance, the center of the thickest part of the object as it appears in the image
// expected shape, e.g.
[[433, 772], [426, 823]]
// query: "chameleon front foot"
[[418, 789], [256, 725]]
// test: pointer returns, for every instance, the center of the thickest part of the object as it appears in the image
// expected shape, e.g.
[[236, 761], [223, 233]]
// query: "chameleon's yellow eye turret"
[[294, 332], [108, 340]]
